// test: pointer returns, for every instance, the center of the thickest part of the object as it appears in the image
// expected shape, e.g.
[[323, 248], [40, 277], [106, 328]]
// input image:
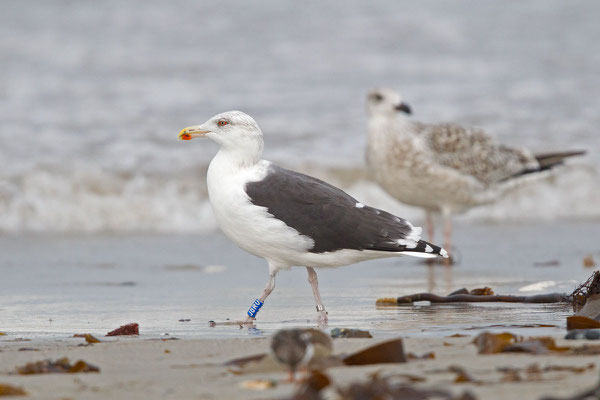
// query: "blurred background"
[[93, 94]]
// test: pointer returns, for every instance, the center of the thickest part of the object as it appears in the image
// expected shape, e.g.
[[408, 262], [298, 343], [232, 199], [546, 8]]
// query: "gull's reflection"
[[433, 272]]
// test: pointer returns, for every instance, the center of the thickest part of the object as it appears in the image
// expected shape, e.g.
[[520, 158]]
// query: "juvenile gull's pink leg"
[[429, 223], [447, 239]]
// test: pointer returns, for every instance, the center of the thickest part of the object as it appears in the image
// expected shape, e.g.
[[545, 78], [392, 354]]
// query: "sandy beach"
[[105, 217], [138, 368], [60, 286]]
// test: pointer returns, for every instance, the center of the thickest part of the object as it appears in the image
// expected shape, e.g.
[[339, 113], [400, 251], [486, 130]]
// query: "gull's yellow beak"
[[191, 132]]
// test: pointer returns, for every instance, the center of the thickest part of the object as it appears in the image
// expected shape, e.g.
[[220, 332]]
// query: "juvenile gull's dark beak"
[[403, 107]]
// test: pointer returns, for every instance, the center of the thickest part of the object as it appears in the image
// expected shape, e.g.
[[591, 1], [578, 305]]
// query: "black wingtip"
[[430, 248], [549, 160]]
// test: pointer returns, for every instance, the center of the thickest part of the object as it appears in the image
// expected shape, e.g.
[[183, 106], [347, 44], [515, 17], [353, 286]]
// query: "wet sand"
[[135, 368], [54, 287]]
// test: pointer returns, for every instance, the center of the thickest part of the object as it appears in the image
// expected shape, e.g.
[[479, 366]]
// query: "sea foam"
[[86, 199]]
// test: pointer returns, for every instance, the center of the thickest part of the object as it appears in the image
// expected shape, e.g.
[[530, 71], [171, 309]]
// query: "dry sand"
[[137, 368]]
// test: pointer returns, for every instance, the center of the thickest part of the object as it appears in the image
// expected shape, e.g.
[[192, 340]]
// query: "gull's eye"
[[377, 97], [222, 123]]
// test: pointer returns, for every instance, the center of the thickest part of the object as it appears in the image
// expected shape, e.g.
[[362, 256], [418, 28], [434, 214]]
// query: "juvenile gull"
[[442, 168], [291, 219]]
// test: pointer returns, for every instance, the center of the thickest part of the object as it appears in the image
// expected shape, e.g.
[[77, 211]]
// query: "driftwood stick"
[[470, 298]]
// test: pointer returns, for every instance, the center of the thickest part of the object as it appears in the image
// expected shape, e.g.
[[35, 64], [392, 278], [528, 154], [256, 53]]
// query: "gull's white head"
[[386, 102], [232, 130]]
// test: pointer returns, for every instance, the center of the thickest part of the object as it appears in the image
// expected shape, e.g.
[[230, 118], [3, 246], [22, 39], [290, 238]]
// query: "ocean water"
[[55, 286], [104, 216], [93, 94]]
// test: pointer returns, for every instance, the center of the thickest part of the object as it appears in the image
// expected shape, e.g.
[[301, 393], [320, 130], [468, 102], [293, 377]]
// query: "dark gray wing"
[[330, 216]]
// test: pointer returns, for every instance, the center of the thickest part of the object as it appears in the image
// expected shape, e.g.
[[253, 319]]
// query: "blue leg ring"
[[254, 308]]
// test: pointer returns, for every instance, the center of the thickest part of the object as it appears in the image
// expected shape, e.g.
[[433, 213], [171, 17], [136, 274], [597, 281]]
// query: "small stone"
[[259, 384], [578, 334], [574, 335], [349, 333], [592, 334], [588, 261]]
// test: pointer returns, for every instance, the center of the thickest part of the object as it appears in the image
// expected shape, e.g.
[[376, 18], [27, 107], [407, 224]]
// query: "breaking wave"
[[89, 117], [85, 199]]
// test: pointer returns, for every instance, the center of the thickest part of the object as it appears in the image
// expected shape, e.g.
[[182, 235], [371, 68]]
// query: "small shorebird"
[[296, 348], [291, 219], [442, 168]]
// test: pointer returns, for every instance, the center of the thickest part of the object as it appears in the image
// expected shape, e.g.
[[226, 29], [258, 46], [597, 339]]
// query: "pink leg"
[[430, 276], [447, 238], [429, 223], [314, 284], [268, 288], [291, 376], [250, 318]]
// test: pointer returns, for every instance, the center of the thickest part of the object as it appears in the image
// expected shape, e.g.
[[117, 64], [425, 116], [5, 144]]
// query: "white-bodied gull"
[[442, 168], [291, 219]]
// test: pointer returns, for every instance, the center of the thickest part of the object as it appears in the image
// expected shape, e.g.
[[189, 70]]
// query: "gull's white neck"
[[380, 125], [230, 160], [233, 165], [226, 179], [239, 154], [236, 162]]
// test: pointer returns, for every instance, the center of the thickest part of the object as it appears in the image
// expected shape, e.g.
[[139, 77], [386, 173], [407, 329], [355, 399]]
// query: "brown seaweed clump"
[[89, 338], [376, 387], [62, 365], [9, 390], [585, 291], [129, 329], [493, 343], [385, 388]]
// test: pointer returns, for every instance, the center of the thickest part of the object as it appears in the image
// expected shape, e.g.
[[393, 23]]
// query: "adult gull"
[[443, 168], [291, 219]]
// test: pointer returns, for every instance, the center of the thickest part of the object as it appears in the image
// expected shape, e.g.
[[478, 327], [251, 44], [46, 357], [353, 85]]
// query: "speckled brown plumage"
[[442, 167]]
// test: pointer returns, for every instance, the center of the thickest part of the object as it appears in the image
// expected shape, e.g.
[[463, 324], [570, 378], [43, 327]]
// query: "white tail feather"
[[418, 254]]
